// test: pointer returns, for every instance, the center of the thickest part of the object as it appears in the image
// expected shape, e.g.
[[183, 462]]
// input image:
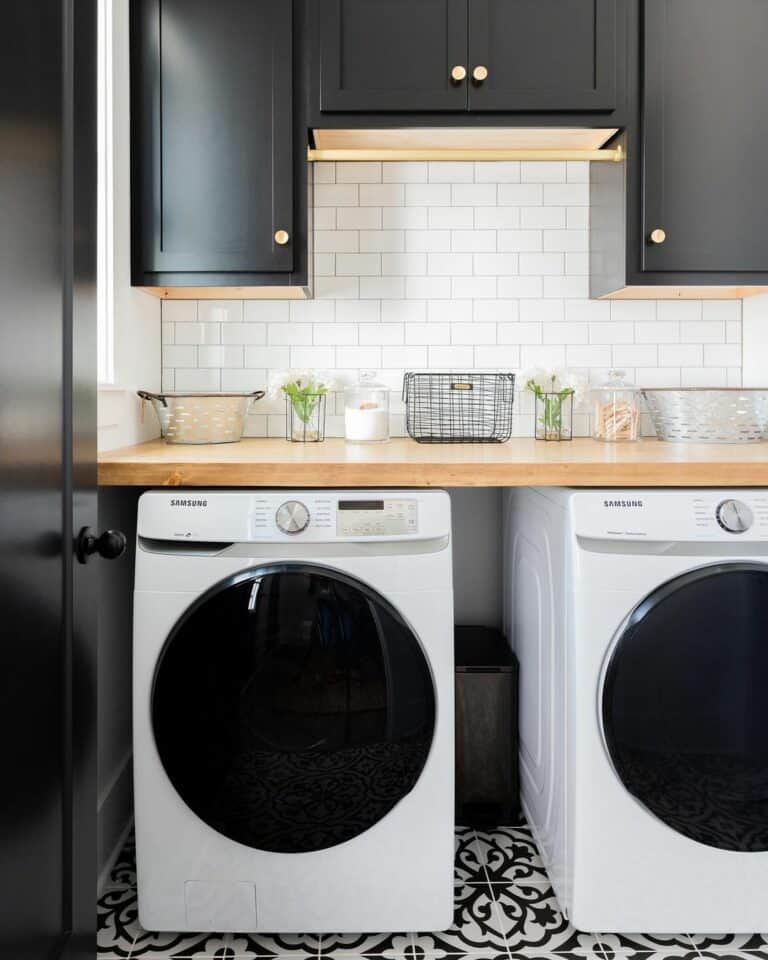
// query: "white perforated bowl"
[[717, 415]]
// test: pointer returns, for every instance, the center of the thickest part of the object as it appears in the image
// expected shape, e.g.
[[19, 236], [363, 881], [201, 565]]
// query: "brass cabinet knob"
[[458, 73], [282, 237], [480, 73], [658, 235]]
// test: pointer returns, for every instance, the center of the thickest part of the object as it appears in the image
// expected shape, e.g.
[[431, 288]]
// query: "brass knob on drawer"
[[480, 73], [658, 235], [282, 237], [458, 73]]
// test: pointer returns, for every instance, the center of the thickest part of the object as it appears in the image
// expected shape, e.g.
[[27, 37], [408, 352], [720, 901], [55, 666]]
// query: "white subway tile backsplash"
[[220, 311], [473, 241], [403, 264], [474, 288], [382, 334], [359, 311], [354, 218], [404, 218], [179, 311], [404, 172], [449, 311], [498, 171], [199, 333], [543, 172], [451, 172], [243, 333], [473, 333], [449, 266], [358, 172], [180, 356], [521, 241], [226, 355]]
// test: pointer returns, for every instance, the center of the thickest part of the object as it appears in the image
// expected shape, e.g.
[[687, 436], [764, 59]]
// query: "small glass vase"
[[305, 418], [554, 416]]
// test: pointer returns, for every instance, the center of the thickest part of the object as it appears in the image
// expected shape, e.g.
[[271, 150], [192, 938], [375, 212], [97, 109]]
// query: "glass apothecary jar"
[[366, 411], [616, 411]]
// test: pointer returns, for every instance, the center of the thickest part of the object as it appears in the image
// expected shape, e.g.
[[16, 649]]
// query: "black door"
[[705, 124], [684, 708], [397, 55], [542, 55], [47, 478], [212, 121], [292, 708]]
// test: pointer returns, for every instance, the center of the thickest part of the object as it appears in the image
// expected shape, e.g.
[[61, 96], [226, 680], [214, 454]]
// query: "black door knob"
[[110, 545]]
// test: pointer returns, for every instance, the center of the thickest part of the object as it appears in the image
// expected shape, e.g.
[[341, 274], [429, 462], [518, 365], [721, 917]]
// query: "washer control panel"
[[376, 518]]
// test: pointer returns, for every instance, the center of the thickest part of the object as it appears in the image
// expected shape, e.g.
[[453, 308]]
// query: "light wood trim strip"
[[403, 463], [479, 155]]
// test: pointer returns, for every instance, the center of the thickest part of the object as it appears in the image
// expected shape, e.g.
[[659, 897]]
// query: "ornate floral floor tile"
[[753, 944], [349, 945], [476, 927], [469, 863], [116, 911], [532, 920], [296, 945], [638, 946], [510, 854]]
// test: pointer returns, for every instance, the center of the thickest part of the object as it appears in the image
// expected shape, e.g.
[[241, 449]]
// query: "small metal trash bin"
[[487, 778]]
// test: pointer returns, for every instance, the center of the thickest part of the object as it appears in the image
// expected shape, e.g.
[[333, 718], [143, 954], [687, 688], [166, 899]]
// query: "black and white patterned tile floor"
[[505, 909]]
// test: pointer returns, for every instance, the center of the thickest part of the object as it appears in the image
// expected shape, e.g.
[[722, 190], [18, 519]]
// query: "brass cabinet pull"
[[458, 73], [282, 237], [480, 73], [658, 235]]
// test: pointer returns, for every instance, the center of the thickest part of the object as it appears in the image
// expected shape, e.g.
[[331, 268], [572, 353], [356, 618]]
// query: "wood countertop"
[[404, 463]]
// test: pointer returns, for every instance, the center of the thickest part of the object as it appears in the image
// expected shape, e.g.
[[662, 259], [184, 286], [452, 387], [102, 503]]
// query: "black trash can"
[[487, 778]]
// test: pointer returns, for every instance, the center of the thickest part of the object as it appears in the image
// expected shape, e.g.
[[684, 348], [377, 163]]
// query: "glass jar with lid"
[[366, 410], [616, 411]]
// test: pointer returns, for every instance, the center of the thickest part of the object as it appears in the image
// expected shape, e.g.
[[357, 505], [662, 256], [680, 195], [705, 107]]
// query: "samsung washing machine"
[[640, 619], [293, 711]]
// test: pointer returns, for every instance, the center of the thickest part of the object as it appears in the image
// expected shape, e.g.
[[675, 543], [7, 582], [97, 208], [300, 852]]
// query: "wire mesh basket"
[[459, 407]]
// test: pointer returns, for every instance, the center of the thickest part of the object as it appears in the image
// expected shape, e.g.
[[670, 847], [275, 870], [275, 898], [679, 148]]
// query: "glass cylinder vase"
[[305, 418], [554, 416]]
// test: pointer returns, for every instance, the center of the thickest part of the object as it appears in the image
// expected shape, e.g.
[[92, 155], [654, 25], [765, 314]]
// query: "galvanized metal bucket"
[[201, 417]]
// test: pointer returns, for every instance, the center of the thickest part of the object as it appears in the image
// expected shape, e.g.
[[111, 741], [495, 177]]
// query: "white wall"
[[448, 266], [756, 341], [136, 315]]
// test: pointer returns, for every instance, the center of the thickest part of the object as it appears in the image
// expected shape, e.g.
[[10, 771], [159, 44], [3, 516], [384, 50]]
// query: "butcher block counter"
[[404, 463]]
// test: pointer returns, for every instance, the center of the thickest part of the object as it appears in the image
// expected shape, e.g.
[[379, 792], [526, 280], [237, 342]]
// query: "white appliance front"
[[644, 742], [293, 711]]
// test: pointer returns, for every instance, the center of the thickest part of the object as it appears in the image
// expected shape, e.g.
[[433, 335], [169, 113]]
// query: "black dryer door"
[[292, 708], [684, 705]]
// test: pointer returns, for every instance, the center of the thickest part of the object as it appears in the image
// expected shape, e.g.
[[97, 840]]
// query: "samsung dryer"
[[293, 711], [640, 618]]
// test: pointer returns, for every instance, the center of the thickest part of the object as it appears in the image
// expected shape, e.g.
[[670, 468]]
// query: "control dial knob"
[[292, 517], [734, 516]]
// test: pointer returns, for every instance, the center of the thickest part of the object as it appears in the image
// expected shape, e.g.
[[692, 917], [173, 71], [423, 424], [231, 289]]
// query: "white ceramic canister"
[[366, 411]]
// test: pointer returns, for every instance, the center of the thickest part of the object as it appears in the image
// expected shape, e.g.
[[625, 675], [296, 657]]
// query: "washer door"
[[684, 706], [292, 708]]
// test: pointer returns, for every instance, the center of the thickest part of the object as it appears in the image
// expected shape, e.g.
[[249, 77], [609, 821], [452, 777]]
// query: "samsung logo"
[[623, 503], [189, 503]]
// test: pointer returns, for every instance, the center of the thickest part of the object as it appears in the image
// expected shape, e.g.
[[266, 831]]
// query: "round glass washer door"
[[685, 705], [292, 708]]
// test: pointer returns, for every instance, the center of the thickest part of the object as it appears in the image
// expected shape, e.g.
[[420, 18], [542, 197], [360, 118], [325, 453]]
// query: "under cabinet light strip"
[[612, 155]]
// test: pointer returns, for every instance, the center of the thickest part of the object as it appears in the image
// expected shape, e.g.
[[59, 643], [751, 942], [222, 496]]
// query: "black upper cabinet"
[[705, 128], [213, 114], [535, 56], [542, 55], [384, 55]]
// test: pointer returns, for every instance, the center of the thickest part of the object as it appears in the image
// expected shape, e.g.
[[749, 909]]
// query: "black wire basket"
[[459, 407]]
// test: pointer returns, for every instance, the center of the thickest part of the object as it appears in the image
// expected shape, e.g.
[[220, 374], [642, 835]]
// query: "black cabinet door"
[[382, 55], [543, 55], [212, 109], [705, 126]]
